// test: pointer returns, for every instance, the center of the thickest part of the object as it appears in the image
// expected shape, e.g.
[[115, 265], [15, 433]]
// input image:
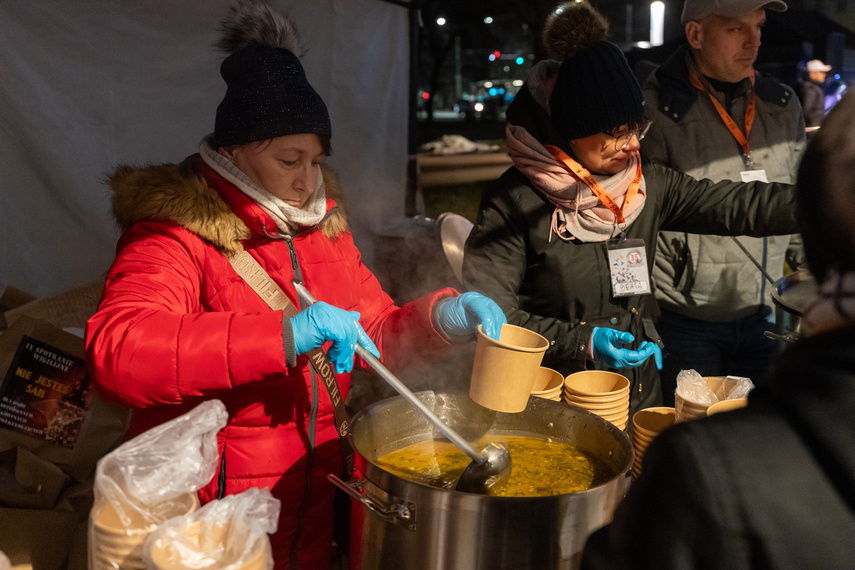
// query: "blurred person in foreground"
[[771, 485], [811, 92], [714, 116], [177, 325], [564, 240]]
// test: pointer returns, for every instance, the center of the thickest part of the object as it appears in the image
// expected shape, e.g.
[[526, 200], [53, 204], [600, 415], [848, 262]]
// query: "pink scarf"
[[578, 213]]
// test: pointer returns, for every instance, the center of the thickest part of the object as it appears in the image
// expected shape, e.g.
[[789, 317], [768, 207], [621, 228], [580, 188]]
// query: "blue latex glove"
[[320, 323], [461, 315], [606, 343]]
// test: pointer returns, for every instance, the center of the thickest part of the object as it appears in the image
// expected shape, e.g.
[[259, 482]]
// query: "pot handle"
[[789, 337], [397, 513]]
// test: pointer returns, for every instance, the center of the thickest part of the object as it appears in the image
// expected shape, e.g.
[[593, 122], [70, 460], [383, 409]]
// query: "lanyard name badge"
[[628, 267], [627, 257], [753, 170]]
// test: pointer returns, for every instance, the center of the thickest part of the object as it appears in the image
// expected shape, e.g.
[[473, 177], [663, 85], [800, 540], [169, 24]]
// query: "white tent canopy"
[[90, 84]]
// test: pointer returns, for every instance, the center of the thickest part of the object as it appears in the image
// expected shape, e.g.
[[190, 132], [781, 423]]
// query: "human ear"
[[695, 34]]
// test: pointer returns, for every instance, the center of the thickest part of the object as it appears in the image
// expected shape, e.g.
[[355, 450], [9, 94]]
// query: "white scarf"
[[289, 220]]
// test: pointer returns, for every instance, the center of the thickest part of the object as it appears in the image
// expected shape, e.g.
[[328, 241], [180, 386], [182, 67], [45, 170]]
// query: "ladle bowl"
[[490, 467]]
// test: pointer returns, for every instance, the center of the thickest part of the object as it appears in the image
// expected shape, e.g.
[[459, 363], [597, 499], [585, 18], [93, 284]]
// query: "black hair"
[[826, 193]]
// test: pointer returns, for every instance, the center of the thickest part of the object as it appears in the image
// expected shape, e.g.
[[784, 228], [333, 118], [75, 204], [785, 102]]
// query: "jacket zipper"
[[313, 417]]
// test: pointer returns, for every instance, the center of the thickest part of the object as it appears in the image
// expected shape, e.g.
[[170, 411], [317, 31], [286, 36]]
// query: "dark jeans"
[[736, 348]]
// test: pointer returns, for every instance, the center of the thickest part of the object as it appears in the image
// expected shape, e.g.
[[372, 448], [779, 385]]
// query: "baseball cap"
[[817, 65], [697, 9]]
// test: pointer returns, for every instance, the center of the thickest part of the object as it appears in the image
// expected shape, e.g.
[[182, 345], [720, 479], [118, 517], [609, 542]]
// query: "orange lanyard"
[[731, 125], [595, 186]]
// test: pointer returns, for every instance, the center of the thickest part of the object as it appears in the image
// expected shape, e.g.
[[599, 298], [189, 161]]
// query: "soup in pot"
[[540, 467]]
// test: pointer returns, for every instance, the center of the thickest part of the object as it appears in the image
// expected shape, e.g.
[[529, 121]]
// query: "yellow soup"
[[540, 467]]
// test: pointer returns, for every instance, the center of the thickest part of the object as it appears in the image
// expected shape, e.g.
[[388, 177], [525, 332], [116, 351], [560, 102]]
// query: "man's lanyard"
[[595, 186], [731, 125]]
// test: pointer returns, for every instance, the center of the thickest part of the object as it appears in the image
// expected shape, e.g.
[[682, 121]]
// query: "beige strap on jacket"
[[256, 277]]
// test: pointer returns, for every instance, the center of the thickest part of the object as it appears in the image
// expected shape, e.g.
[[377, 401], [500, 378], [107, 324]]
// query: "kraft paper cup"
[[652, 421], [113, 545], [548, 383], [687, 409], [646, 425], [208, 537], [616, 406], [727, 405], [594, 400], [504, 370], [596, 384]]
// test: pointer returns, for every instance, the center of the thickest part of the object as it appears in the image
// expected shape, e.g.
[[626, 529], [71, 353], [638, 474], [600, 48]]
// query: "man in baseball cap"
[[714, 116], [696, 10], [811, 92]]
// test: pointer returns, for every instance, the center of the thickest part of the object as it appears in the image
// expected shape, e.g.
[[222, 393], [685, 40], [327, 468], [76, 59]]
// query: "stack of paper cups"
[[646, 425], [688, 409], [202, 541], [600, 392], [114, 543], [548, 383]]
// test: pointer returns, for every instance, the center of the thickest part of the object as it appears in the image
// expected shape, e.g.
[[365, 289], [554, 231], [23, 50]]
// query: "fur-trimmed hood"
[[172, 192]]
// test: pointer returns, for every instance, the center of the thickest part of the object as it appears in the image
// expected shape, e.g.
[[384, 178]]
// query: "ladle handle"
[[399, 387]]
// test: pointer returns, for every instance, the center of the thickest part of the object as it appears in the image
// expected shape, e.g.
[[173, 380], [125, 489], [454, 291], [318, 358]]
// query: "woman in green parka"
[[564, 240]]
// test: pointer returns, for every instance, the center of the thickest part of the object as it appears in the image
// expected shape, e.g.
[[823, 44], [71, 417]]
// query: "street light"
[[657, 23], [440, 21]]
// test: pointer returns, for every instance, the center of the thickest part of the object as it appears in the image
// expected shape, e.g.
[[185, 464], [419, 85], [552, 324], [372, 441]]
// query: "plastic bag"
[[696, 393], [692, 386], [228, 534], [695, 388], [149, 479]]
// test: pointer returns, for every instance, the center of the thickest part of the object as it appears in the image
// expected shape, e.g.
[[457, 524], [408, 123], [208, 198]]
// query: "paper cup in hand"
[[504, 370]]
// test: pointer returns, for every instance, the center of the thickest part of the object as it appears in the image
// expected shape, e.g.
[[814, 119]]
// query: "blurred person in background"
[[811, 92], [771, 485], [714, 116], [177, 324], [564, 240]]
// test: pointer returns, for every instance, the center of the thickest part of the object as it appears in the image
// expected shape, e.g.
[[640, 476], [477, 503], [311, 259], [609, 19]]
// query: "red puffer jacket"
[[176, 326]]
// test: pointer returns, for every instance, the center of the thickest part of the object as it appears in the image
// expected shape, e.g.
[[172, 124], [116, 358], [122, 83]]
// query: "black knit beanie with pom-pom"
[[596, 91], [267, 94]]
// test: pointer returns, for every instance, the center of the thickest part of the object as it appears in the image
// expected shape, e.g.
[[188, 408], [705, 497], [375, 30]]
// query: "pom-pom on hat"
[[267, 93], [596, 91]]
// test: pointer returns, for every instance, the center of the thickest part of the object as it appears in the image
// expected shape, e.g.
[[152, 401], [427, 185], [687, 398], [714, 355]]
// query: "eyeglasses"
[[624, 135]]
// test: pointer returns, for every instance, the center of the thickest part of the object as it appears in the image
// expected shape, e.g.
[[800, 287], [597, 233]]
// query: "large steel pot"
[[398, 524], [790, 295]]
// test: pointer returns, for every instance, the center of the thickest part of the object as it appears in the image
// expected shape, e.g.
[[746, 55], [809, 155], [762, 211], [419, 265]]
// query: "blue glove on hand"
[[461, 315], [606, 343], [320, 323]]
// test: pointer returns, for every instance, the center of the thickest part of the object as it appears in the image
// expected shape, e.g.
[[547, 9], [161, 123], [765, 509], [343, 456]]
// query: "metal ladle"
[[490, 467]]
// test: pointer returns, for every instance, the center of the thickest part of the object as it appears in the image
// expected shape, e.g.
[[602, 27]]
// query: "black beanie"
[[267, 93], [596, 91], [268, 96]]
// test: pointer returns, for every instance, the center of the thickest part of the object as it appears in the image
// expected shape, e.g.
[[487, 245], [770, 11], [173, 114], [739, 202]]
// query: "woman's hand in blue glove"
[[461, 315], [606, 343], [320, 323]]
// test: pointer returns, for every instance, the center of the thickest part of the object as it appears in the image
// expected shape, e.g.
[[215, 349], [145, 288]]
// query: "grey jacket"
[[710, 277], [812, 97]]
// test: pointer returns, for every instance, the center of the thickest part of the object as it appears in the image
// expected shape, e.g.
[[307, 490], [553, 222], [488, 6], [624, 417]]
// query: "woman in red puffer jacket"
[[177, 325]]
